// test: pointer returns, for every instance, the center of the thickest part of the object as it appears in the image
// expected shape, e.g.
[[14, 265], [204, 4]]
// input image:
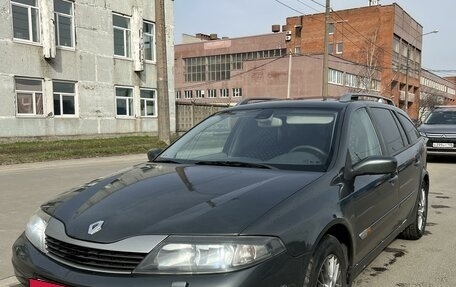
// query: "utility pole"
[[325, 53], [290, 59], [164, 133]]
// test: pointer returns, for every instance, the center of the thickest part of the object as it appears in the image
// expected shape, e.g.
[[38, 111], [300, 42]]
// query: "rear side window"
[[410, 130], [362, 141], [389, 130]]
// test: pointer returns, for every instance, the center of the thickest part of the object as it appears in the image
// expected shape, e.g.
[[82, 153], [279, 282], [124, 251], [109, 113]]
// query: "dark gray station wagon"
[[271, 194]]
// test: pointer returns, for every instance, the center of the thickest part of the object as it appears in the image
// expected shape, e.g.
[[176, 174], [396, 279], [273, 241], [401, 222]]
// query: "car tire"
[[416, 230], [329, 258]]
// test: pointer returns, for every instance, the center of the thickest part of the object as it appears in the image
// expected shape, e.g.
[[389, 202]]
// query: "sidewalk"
[[23, 187]]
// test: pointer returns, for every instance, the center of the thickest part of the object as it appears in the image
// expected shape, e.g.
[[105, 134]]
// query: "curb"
[[9, 282]]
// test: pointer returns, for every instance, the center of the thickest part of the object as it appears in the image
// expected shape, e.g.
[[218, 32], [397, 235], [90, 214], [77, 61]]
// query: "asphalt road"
[[24, 187], [423, 263]]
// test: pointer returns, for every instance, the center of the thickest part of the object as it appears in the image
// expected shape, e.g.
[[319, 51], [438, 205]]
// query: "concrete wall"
[[91, 65]]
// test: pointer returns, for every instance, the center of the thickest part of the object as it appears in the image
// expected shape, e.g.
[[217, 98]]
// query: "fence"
[[189, 114]]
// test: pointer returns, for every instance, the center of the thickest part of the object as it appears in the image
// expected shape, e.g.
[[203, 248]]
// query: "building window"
[[188, 94], [224, 93], [335, 77], [331, 48], [122, 35], [200, 93], [63, 11], [26, 20], [124, 101], [339, 48], [64, 98], [149, 41], [351, 80], [298, 50], [212, 93], [331, 28], [237, 92], [148, 100], [29, 96], [178, 94]]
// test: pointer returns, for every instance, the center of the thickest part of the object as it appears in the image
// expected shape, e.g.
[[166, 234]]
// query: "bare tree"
[[428, 101], [370, 56]]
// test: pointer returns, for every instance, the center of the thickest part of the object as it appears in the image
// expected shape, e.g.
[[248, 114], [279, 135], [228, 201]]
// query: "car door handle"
[[393, 179], [417, 161]]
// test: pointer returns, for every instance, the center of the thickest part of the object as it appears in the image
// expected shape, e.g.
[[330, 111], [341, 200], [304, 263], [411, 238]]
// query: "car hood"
[[437, 128], [170, 199]]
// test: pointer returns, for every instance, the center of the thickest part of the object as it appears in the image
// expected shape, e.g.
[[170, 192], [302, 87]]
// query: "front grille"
[[93, 259]]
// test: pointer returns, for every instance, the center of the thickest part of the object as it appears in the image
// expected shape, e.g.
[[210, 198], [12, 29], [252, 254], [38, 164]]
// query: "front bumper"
[[280, 271]]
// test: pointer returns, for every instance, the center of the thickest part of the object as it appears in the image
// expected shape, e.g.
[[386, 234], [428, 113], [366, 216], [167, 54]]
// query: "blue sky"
[[235, 18]]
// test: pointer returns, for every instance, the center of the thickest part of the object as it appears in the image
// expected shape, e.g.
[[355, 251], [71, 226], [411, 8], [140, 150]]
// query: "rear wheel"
[[328, 267], [416, 230]]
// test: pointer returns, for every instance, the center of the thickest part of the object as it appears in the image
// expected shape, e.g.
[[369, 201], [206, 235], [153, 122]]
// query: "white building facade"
[[82, 67]]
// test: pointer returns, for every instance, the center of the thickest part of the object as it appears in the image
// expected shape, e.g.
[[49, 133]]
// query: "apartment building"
[[385, 39], [73, 68]]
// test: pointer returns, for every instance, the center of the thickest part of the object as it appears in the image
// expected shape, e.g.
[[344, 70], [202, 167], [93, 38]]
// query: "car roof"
[[316, 102], [445, 108]]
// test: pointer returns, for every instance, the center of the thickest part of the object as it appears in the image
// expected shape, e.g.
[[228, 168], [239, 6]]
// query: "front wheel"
[[416, 230], [328, 267]]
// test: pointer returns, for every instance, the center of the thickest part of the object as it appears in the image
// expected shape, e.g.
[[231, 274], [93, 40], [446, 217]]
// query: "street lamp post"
[[407, 68]]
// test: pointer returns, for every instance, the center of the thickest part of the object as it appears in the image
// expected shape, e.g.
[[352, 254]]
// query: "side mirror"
[[372, 165], [153, 153]]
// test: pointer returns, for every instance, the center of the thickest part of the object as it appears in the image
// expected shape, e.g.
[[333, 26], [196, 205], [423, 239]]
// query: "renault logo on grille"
[[95, 227]]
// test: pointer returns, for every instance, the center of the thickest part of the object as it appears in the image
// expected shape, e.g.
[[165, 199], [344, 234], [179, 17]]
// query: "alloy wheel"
[[422, 205], [330, 273]]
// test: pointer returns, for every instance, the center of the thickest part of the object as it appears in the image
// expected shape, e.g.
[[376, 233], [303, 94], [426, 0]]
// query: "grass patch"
[[44, 150]]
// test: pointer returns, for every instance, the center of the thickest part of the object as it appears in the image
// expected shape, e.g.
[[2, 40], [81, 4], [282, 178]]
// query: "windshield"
[[297, 139], [441, 118]]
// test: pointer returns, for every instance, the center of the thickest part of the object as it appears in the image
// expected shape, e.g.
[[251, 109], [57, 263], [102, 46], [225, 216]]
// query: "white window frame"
[[57, 15], [154, 57], [199, 94], [129, 101], [178, 94], [338, 50], [237, 92], [30, 22], [224, 93], [212, 93], [335, 77], [74, 95], [188, 94], [148, 100], [333, 25], [33, 94], [126, 37]]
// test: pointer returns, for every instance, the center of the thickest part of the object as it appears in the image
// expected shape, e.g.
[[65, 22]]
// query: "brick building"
[[208, 69], [377, 38]]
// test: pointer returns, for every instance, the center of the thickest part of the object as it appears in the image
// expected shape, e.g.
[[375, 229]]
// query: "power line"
[[308, 6], [289, 7], [318, 3]]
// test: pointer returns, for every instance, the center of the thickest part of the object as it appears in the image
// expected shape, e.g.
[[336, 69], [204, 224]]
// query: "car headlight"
[[423, 134], [35, 229], [210, 254]]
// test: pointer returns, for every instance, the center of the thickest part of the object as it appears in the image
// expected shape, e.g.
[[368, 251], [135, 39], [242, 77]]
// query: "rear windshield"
[[288, 138], [441, 118]]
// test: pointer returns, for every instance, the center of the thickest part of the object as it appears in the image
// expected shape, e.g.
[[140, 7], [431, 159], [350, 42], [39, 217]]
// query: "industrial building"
[[72, 68], [374, 49]]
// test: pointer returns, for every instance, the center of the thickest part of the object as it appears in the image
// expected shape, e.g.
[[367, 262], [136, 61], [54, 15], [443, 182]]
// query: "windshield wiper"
[[165, 160], [235, 164]]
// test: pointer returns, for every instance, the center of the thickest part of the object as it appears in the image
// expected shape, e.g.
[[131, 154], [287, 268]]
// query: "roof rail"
[[255, 100], [443, 106], [366, 97]]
